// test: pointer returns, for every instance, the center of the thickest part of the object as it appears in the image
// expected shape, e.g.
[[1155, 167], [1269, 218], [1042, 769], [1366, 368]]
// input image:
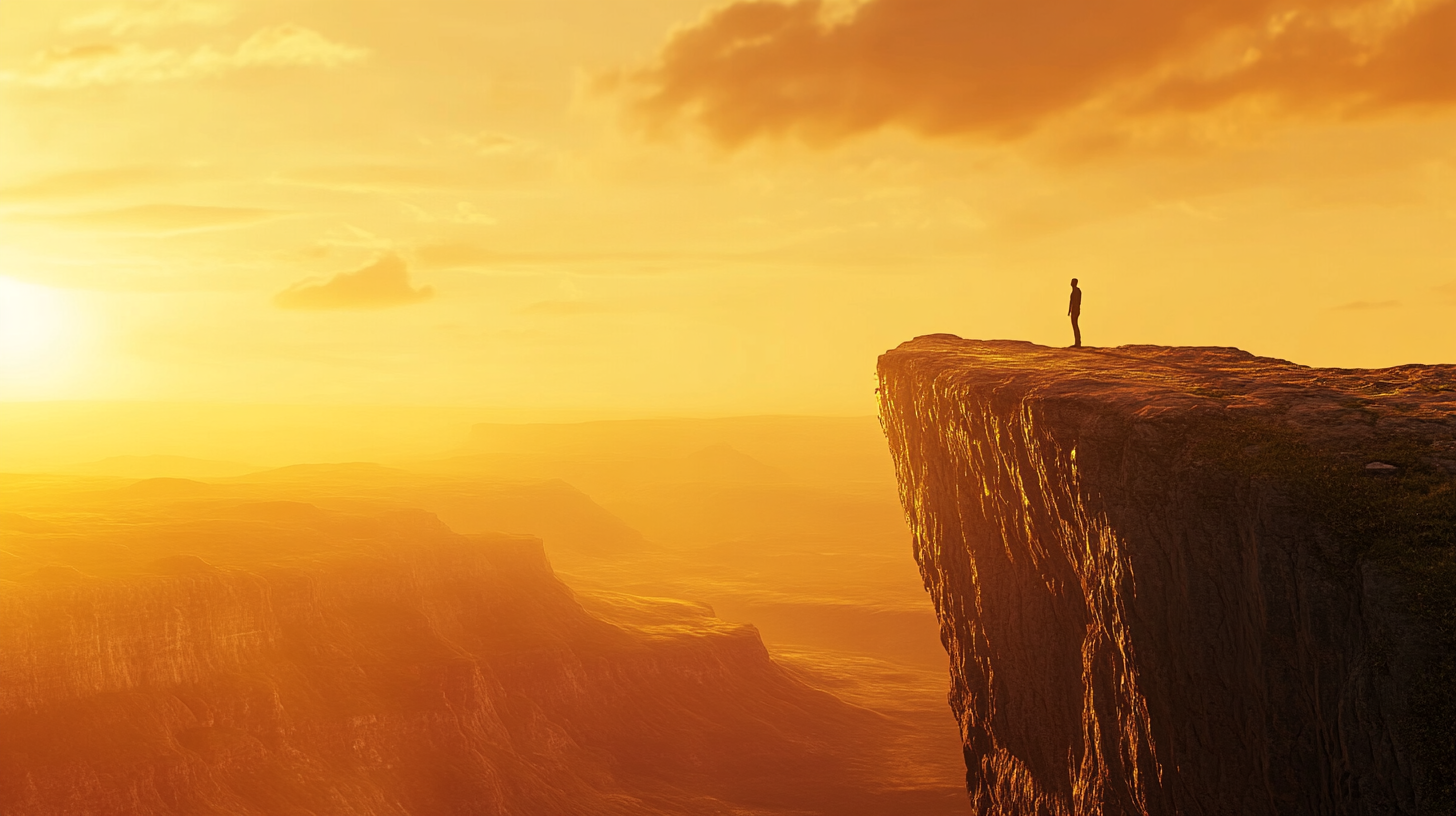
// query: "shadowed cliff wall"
[[1166, 584]]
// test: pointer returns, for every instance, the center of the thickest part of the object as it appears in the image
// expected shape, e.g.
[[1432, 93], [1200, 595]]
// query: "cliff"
[[167, 649], [1185, 580]]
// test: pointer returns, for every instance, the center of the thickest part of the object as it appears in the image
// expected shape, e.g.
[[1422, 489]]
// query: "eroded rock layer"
[[180, 656], [1171, 581]]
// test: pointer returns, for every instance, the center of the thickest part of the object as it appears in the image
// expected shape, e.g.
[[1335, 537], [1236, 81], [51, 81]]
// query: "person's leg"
[[1076, 332]]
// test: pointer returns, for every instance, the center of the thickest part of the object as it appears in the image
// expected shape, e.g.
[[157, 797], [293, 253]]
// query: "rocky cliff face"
[[166, 656], [1169, 583]]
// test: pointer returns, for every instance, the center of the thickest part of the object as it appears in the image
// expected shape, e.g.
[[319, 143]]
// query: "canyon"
[[1185, 580], [361, 638]]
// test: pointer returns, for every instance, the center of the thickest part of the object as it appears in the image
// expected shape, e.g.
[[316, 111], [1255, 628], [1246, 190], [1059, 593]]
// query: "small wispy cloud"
[[284, 46], [81, 183], [379, 285], [465, 214], [374, 177], [1367, 305], [157, 219], [490, 143], [152, 15]]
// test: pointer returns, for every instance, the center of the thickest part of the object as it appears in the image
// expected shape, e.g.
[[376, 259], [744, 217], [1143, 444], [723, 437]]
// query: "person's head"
[[1074, 283]]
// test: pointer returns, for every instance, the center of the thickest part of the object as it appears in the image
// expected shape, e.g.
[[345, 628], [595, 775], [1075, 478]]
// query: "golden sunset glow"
[[452, 406], [573, 198], [33, 323], [39, 333]]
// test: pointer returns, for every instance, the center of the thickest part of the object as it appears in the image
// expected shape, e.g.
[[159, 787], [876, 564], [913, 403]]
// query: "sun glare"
[[37, 330]]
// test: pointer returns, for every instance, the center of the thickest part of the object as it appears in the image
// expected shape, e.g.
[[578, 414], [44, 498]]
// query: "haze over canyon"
[[457, 407], [369, 638]]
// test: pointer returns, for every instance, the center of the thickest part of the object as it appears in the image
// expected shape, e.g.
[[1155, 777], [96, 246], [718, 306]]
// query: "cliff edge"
[[1185, 580]]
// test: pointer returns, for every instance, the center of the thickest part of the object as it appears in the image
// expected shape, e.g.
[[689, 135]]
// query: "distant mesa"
[[567, 519], [277, 511], [153, 467], [378, 285], [24, 524], [721, 463], [365, 668], [167, 488], [762, 448], [370, 472]]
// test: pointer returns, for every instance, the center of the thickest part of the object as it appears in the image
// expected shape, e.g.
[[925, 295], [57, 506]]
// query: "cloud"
[[1368, 305], [464, 214], [159, 218], [152, 15], [488, 143], [819, 72], [381, 284], [466, 255], [80, 183], [375, 177], [467, 213], [290, 45], [284, 46], [1315, 62]]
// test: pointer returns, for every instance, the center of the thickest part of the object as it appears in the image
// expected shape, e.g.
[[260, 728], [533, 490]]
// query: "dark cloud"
[[381, 284], [758, 68], [1313, 63]]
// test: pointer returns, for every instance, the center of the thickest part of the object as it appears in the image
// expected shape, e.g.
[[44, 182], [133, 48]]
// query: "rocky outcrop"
[[1169, 583], [276, 658]]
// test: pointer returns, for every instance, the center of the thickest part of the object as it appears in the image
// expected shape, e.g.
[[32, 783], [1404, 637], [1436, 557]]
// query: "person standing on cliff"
[[1074, 310]]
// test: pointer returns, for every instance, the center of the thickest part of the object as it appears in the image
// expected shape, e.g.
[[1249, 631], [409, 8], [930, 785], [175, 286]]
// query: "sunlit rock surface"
[[1167, 583], [168, 649]]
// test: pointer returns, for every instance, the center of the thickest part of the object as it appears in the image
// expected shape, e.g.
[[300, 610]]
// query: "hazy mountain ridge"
[[715, 723], [317, 661]]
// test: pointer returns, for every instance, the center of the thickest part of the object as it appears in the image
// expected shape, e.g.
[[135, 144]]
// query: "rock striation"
[[208, 656], [1171, 580]]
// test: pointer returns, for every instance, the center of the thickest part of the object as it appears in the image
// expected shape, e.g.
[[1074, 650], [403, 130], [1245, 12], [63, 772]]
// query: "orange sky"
[[672, 206]]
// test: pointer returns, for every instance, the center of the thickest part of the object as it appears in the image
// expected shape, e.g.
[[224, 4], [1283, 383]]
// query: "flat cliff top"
[[1325, 404], [1270, 548]]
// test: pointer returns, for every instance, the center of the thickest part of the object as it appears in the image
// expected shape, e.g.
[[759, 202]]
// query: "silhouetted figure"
[[1074, 309]]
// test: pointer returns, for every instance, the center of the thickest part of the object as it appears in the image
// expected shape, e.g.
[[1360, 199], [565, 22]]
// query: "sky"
[[674, 207]]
